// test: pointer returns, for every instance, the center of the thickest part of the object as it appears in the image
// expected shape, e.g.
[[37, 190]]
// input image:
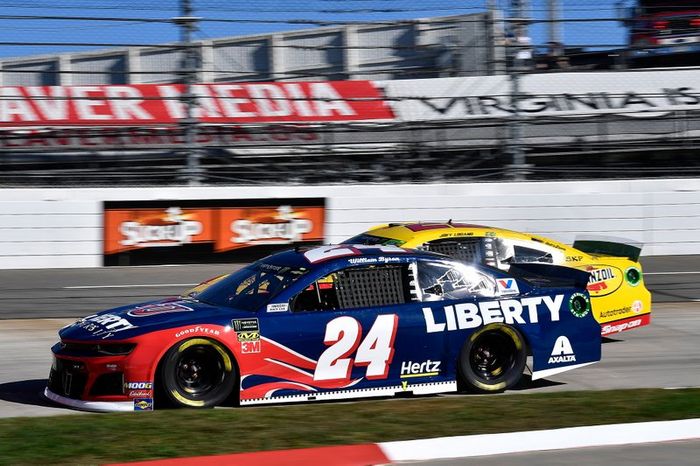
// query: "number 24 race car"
[[619, 299], [330, 322]]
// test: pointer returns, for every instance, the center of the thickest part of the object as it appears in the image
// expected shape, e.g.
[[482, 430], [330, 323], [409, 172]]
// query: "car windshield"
[[251, 287], [371, 240]]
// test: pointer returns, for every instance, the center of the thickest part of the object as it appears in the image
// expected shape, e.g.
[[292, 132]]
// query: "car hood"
[[130, 321]]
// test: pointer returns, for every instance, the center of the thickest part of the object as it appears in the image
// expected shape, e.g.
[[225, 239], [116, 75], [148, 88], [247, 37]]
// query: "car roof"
[[418, 230], [326, 254]]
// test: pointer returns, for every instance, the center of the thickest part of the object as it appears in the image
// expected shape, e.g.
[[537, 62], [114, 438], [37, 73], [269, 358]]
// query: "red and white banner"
[[158, 104]]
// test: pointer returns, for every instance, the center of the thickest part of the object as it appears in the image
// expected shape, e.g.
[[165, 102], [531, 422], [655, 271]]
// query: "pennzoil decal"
[[605, 279]]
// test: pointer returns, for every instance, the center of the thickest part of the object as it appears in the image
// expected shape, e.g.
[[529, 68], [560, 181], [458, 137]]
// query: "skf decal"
[[143, 404], [562, 351], [511, 311], [419, 369], [160, 308], [507, 286]]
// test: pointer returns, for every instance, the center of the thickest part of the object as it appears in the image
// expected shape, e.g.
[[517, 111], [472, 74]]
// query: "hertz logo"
[[248, 336]]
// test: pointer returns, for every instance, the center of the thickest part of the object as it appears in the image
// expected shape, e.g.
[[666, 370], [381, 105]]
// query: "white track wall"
[[60, 228]]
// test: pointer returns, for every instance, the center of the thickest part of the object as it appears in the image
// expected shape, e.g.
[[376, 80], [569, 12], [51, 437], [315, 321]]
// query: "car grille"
[[108, 384], [67, 378]]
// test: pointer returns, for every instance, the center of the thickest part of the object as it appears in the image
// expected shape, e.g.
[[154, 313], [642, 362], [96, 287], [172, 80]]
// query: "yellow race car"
[[620, 301]]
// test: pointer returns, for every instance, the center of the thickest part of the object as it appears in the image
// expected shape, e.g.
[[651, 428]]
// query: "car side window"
[[357, 287], [508, 252], [442, 280]]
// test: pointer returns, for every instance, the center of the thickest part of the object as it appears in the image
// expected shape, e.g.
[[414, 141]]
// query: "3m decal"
[[507, 286], [343, 335], [160, 308], [579, 305], [511, 311], [249, 347], [562, 351]]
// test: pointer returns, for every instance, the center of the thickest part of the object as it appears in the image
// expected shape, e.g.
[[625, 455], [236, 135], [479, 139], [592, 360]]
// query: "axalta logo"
[[283, 228], [511, 311], [173, 229], [420, 369], [562, 351]]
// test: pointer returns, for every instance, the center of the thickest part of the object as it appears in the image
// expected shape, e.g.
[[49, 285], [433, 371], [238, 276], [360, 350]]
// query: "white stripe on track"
[[154, 285]]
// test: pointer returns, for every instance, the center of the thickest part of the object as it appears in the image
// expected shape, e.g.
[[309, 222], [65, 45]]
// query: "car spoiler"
[[617, 247], [547, 275]]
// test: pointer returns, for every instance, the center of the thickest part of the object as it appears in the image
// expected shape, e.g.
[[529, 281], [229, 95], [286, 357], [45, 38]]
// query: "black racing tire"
[[197, 373], [492, 359]]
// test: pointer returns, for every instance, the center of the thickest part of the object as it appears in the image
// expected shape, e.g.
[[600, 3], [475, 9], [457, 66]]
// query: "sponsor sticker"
[[579, 305], [604, 280], [159, 308], [139, 385], [140, 393], [143, 404], [278, 307], [562, 351], [511, 311], [248, 336], [427, 368], [248, 347], [197, 329], [637, 307], [104, 325], [507, 286], [246, 325]]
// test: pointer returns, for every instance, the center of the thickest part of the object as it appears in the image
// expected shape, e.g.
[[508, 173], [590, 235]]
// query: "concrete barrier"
[[57, 228]]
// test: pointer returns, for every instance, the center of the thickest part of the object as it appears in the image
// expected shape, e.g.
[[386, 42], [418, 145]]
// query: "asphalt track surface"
[[48, 293]]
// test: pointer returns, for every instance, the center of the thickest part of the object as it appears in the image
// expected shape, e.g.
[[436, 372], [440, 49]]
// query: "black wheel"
[[197, 373], [493, 359]]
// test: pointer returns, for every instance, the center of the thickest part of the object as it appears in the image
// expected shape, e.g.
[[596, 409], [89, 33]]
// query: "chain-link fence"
[[440, 90]]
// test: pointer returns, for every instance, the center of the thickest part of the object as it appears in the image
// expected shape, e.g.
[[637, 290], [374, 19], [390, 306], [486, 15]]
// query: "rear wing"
[[550, 276], [608, 246]]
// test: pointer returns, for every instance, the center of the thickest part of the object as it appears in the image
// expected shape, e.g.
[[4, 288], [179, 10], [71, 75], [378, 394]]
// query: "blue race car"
[[330, 322]]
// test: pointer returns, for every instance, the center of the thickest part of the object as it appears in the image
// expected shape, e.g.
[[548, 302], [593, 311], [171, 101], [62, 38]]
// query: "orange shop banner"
[[145, 232]]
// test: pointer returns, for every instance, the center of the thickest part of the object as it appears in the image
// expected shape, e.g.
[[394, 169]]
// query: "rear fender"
[[570, 342]]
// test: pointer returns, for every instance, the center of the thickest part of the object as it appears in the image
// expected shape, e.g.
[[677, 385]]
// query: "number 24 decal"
[[343, 335]]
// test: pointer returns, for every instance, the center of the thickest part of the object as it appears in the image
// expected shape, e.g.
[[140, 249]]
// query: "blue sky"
[[260, 16]]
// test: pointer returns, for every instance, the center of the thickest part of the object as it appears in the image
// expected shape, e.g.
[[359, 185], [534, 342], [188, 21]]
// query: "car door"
[[358, 330]]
